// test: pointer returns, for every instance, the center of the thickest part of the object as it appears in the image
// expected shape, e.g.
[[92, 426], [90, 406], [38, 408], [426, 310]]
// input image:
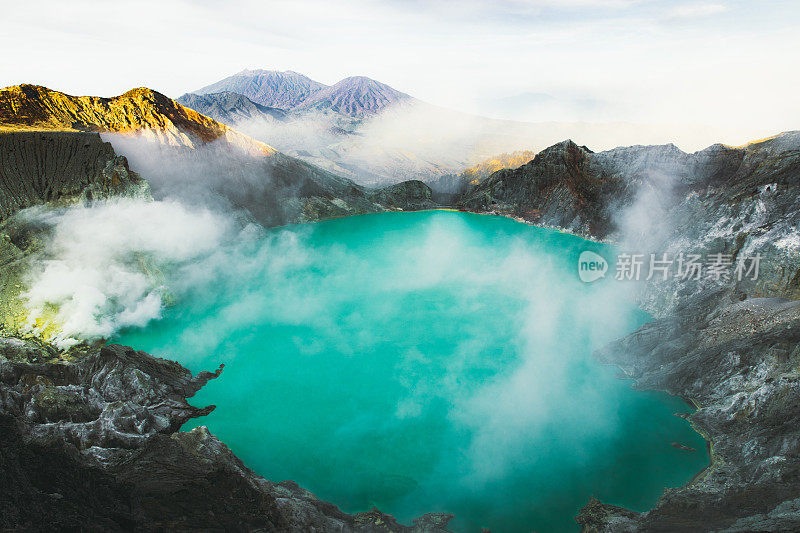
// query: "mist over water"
[[420, 362]]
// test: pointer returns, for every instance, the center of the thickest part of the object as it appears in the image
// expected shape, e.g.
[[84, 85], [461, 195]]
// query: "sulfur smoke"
[[108, 266]]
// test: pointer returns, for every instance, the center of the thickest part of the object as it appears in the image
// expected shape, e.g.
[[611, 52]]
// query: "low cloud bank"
[[422, 141]]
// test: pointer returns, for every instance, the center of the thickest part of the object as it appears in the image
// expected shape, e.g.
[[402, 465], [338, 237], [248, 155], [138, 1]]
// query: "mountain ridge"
[[229, 107], [354, 96], [272, 88], [572, 187], [139, 111]]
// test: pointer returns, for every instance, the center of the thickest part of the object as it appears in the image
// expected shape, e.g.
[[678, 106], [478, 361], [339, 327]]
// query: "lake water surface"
[[431, 361]]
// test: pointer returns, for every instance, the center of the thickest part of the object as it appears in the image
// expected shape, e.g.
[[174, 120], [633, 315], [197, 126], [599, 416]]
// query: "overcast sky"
[[730, 63]]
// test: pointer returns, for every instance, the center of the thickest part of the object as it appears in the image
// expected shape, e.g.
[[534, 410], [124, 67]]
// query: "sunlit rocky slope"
[[451, 186], [142, 112]]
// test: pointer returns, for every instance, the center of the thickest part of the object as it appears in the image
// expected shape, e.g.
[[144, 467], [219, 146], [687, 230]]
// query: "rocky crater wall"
[[59, 167]]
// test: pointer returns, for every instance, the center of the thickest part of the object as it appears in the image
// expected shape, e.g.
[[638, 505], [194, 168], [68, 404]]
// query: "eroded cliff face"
[[59, 168], [558, 188], [571, 187], [737, 359]]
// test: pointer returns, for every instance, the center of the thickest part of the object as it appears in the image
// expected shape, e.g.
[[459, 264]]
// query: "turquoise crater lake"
[[430, 361]]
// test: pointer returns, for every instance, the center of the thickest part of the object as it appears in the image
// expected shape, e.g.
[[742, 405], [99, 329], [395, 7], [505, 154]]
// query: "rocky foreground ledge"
[[738, 360], [94, 444]]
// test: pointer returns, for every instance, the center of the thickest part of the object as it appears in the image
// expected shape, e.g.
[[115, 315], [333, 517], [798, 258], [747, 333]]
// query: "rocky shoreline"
[[737, 360]]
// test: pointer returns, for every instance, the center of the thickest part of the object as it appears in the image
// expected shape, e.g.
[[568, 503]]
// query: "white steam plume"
[[102, 267]]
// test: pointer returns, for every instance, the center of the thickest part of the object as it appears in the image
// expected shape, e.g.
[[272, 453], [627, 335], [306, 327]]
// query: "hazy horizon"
[[719, 65]]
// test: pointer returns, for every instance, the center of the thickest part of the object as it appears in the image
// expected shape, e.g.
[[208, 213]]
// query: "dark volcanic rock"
[[738, 361], [39, 167], [114, 398], [571, 187], [45, 486], [558, 187], [93, 444], [408, 195]]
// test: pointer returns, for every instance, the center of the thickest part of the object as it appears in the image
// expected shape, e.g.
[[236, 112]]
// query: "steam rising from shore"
[[104, 267]]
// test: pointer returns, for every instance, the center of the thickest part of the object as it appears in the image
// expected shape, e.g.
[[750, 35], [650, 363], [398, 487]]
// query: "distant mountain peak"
[[277, 73], [271, 88], [230, 108], [360, 80], [355, 96]]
